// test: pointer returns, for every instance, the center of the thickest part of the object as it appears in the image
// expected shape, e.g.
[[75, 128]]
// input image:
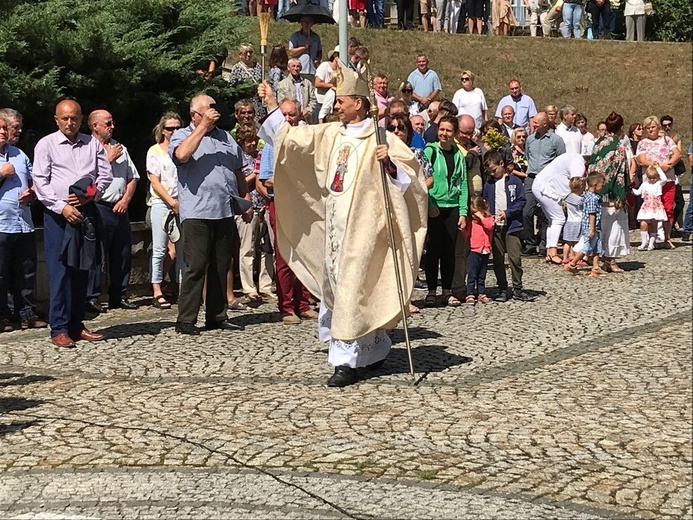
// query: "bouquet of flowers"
[[494, 140]]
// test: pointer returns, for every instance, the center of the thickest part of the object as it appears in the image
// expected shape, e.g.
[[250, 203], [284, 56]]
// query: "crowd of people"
[[591, 19], [497, 185]]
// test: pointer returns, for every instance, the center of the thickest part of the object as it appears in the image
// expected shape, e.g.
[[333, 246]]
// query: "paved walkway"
[[576, 405]]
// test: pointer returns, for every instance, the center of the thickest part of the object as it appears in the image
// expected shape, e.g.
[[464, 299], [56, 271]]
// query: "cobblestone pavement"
[[575, 405]]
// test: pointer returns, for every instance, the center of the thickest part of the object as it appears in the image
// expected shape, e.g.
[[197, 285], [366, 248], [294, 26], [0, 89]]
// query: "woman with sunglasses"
[[470, 99], [400, 125], [407, 91], [163, 199], [518, 140], [447, 209]]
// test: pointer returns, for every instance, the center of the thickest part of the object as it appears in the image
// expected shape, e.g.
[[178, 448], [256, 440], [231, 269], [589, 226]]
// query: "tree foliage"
[[672, 20], [135, 58]]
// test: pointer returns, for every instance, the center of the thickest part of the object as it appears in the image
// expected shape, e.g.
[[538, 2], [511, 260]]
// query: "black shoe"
[[223, 325], [376, 366], [123, 304], [94, 306], [187, 328], [686, 237], [527, 251], [343, 376], [522, 296], [502, 297], [5, 326]]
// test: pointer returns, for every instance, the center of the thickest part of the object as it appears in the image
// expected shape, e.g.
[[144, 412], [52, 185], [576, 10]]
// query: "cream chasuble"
[[331, 227]]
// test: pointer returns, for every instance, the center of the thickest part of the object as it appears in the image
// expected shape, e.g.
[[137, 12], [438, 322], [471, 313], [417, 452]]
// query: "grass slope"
[[636, 79]]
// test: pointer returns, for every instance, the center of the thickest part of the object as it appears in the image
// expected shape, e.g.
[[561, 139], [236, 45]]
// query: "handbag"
[[679, 168], [648, 8]]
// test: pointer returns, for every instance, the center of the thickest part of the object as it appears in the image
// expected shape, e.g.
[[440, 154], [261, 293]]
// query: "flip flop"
[[238, 305]]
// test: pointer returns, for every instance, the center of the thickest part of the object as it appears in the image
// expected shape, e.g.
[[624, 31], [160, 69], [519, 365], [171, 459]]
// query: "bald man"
[[112, 221], [60, 160], [210, 178]]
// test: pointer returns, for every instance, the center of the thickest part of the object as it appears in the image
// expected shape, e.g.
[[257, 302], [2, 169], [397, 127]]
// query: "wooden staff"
[[264, 19]]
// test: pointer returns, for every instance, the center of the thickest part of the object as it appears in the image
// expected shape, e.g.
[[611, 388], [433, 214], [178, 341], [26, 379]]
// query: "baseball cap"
[[170, 225]]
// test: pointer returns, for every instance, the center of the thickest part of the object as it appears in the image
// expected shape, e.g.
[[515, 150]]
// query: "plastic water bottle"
[[590, 36]]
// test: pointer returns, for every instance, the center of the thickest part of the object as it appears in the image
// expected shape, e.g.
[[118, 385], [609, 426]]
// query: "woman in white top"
[[470, 100], [550, 187], [634, 12], [163, 190]]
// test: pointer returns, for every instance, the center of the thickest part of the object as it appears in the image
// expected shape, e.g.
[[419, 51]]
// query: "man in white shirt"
[[567, 130]]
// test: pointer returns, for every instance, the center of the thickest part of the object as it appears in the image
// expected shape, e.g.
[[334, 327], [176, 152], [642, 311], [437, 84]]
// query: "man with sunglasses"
[[60, 160], [112, 221]]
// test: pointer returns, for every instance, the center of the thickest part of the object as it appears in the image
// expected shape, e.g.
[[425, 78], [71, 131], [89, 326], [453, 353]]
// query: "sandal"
[[470, 300], [413, 309], [451, 300], [615, 268], [669, 244], [430, 300], [483, 298], [161, 303], [597, 272], [238, 305], [555, 260]]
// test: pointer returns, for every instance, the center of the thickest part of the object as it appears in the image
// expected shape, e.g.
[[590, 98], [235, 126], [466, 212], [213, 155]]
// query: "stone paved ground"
[[576, 405]]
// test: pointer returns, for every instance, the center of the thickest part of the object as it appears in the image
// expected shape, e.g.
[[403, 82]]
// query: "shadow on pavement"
[[631, 266], [427, 358], [21, 379], [126, 330]]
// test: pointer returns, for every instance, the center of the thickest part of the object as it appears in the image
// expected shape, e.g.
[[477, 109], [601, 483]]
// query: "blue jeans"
[[67, 285], [282, 7], [374, 13], [160, 246], [688, 218], [571, 19], [477, 265]]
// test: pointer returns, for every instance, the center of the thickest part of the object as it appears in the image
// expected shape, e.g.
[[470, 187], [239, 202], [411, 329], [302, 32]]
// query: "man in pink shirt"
[[382, 98], [60, 160]]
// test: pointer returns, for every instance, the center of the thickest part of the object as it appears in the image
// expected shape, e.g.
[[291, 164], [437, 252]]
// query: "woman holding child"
[[610, 158]]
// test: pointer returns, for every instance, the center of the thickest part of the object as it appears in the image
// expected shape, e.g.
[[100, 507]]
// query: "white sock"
[[653, 239], [644, 237]]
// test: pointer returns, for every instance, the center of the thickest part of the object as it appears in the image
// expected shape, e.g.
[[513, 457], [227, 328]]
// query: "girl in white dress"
[[573, 206], [652, 210]]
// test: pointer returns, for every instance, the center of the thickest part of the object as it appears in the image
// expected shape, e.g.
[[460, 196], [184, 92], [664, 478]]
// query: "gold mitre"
[[349, 82]]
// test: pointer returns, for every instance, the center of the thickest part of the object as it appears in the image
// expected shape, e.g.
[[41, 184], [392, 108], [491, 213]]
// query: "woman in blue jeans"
[[688, 218], [572, 11], [163, 191]]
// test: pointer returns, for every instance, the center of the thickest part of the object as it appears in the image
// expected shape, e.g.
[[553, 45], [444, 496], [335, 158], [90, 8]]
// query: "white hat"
[[169, 223]]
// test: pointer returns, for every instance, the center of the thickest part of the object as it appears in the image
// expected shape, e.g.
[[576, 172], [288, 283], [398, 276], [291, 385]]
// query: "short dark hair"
[[614, 123], [493, 157], [404, 119], [580, 117], [453, 121], [666, 118]]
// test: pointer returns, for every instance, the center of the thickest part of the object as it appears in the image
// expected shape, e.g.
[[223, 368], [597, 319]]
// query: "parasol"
[[307, 8]]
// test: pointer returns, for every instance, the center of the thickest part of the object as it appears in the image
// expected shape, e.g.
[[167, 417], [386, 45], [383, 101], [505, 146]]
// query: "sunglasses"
[[667, 125], [407, 90], [392, 128], [171, 128], [466, 79]]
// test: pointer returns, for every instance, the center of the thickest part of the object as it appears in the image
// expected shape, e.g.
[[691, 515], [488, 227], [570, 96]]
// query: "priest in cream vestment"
[[331, 222]]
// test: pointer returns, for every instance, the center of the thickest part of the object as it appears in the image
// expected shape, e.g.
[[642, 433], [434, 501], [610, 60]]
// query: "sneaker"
[[290, 319], [651, 247], [502, 297], [642, 247]]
